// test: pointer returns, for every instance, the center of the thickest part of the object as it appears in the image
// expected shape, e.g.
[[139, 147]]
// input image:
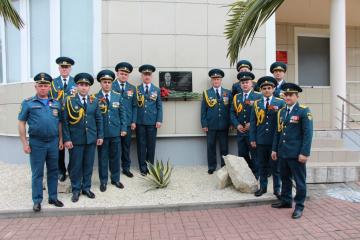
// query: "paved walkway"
[[324, 218]]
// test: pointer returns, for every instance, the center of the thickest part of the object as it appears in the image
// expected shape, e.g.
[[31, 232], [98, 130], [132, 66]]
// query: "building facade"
[[177, 35]]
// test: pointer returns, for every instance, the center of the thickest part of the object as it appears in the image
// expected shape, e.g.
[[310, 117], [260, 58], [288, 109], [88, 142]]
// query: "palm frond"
[[8, 12], [246, 17]]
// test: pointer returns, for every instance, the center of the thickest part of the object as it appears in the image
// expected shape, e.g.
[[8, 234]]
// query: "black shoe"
[[278, 195], [281, 205], [37, 207], [117, 184], [89, 194], [143, 174], [260, 192], [211, 171], [269, 175], [128, 174], [56, 203], [102, 187], [62, 177], [297, 214], [75, 197]]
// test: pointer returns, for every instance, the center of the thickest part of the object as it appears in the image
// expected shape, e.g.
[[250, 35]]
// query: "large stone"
[[241, 176], [222, 178], [64, 187]]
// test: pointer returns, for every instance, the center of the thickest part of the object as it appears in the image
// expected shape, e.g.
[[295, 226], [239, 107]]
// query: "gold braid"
[[260, 114], [70, 109], [59, 92], [280, 124], [140, 99], [211, 103], [238, 108]]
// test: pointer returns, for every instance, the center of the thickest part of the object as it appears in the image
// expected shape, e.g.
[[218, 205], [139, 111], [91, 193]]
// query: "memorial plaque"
[[178, 81]]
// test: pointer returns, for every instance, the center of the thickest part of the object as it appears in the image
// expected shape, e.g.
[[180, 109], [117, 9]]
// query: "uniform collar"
[[67, 78], [81, 98], [121, 83], [270, 99], [291, 107], [104, 94], [280, 82], [144, 85], [219, 89]]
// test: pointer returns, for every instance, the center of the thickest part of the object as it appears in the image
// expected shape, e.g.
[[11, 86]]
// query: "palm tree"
[[246, 17], [9, 14]]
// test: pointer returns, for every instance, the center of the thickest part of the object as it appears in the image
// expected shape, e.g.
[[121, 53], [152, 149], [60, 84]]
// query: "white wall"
[[176, 36]]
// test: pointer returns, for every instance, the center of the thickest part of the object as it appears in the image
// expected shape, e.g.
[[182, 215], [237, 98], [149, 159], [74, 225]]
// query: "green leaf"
[[246, 17], [8, 12]]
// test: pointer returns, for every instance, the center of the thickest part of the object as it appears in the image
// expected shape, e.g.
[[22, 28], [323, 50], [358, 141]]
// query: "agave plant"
[[8, 12], [159, 174], [246, 17]]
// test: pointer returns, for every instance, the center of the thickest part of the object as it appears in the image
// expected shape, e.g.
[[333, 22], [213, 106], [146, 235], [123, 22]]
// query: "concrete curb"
[[60, 212]]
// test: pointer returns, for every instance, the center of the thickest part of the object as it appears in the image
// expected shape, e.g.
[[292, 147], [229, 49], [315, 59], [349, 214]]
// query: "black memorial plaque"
[[178, 81]]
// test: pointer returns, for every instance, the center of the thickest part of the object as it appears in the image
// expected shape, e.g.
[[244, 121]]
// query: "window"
[[77, 33], [52, 28], [314, 61], [39, 36], [13, 50]]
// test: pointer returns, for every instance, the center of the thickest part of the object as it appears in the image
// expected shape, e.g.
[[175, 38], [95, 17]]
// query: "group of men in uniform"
[[274, 131], [63, 114]]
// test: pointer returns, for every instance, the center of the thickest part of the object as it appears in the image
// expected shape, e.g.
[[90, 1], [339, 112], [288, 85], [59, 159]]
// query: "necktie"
[[267, 103], [287, 113], [107, 99], [122, 88], [217, 94], [84, 103], [147, 89], [65, 84], [245, 97]]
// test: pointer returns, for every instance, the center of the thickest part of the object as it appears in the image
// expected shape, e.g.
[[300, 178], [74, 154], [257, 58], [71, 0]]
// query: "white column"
[[337, 57], [270, 43]]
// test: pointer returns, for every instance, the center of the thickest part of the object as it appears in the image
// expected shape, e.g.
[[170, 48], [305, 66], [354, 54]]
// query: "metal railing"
[[350, 127]]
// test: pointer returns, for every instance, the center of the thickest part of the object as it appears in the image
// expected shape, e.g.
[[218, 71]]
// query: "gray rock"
[[241, 176], [64, 187], [222, 178]]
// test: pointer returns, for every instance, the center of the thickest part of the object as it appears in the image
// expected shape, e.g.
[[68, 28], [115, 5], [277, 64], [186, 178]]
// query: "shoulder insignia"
[[303, 106], [309, 115]]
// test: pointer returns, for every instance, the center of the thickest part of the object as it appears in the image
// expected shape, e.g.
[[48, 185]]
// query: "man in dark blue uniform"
[[292, 146], [262, 130], [241, 66], [62, 86], [278, 69], [149, 117], [114, 120], [82, 131], [128, 93], [215, 118], [43, 115], [240, 112]]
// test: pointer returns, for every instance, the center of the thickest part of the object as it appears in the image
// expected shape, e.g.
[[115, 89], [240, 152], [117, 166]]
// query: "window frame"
[[307, 32], [55, 44]]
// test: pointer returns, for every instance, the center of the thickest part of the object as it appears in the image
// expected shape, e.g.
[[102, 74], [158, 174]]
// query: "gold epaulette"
[[302, 106]]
